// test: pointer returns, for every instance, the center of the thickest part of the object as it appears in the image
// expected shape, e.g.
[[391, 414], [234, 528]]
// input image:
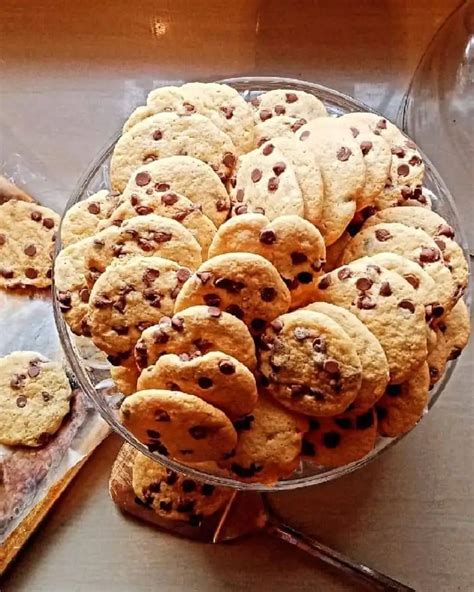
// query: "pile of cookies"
[[268, 282]]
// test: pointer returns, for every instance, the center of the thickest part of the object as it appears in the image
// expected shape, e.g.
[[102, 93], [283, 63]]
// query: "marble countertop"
[[71, 72]]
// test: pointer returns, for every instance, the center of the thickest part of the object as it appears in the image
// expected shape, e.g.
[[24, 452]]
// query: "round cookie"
[[179, 425], [186, 176], [412, 243], [310, 364], [129, 297], [343, 171], [71, 286], [83, 218], [415, 275], [215, 377], [173, 496], [402, 406], [269, 445], [406, 168], [243, 284], [336, 441], [456, 327], [168, 134], [293, 245], [266, 183], [27, 235], [197, 329], [148, 236], [277, 127], [225, 107], [34, 396], [125, 378], [374, 363], [293, 103], [437, 227], [307, 174], [389, 307], [169, 205]]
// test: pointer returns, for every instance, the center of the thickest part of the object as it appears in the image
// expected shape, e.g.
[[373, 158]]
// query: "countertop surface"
[[70, 74]]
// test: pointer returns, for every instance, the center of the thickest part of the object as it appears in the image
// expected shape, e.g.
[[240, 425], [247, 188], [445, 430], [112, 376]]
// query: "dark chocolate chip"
[[265, 114], [331, 366], [267, 237], [407, 305], [212, 299], [280, 110], [331, 439], [393, 390], [429, 255], [207, 489], [345, 423], [344, 273], [365, 421], [235, 310], [305, 277], [324, 282], [365, 303], [385, 289], [364, 284], [273, 183], [243, 424], [279, 168], [48, 223], [412, 280], [31, 273], [382, 235], [343, 153], [268, 294], [226, 367], [291, 97], [445, 230], [403, 170], [229, 159], [142, 178], [366, 147], [297, 258], [162, 415], [268, 149], [198, 432], [307, 448]]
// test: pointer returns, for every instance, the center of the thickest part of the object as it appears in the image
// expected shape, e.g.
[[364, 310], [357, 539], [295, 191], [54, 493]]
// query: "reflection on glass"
[[439, 108]]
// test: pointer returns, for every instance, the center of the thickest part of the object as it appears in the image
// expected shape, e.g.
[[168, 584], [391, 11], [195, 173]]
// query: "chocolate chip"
[[382, 235], [265, 114], [291, 97], [429, 255], [355, 132], [162, 415], [36, 216], [324, 282], [258, 325], [279, 168], [94, 208], [33, 370], [48, 223], [21, 401], [403, 170], [142, 178], [256, 175], [343, 153], [183, 274], [295, 126], [30, 250], [229, 159], [344, 273], [84, 295], [365, 303], [240, 210], [46, 396], [297, 258], [307, 448], [381, 412], [407, 305], [160, 337], [162, 237], [305, 277], [31, 273], [437, 310], [158, 447], [445, 230], [228, 111], [232, 286], [365, 421], [188, 485], [398, 151], [273, 183], [150, 275], [153, 434], [247, 472], [345, 423], [144, 210], [235, 310], [212, 299], [319, 344], [120, 329], [385, 289], [171, 477], [331, 439], [267, 237], [198, 432], [65, 300], [177, 323], [305, 135], [226, 367], [331, 366], [415, 160], [364, 284], [412, 280], [244, 424], [393, 390], [366, 147], [204, 276], [276, 325], [221, 205], [239, 196], [268, 294], [382, 124], [267, 149]]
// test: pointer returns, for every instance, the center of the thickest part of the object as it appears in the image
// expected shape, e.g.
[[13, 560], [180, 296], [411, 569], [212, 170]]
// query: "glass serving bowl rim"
[[99, 400]]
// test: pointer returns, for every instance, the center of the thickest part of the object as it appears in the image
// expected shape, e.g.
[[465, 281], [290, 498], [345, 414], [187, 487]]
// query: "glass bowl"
[[92, 369]]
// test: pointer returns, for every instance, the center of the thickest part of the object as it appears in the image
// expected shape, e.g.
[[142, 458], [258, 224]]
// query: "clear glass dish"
[[92, 369]]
